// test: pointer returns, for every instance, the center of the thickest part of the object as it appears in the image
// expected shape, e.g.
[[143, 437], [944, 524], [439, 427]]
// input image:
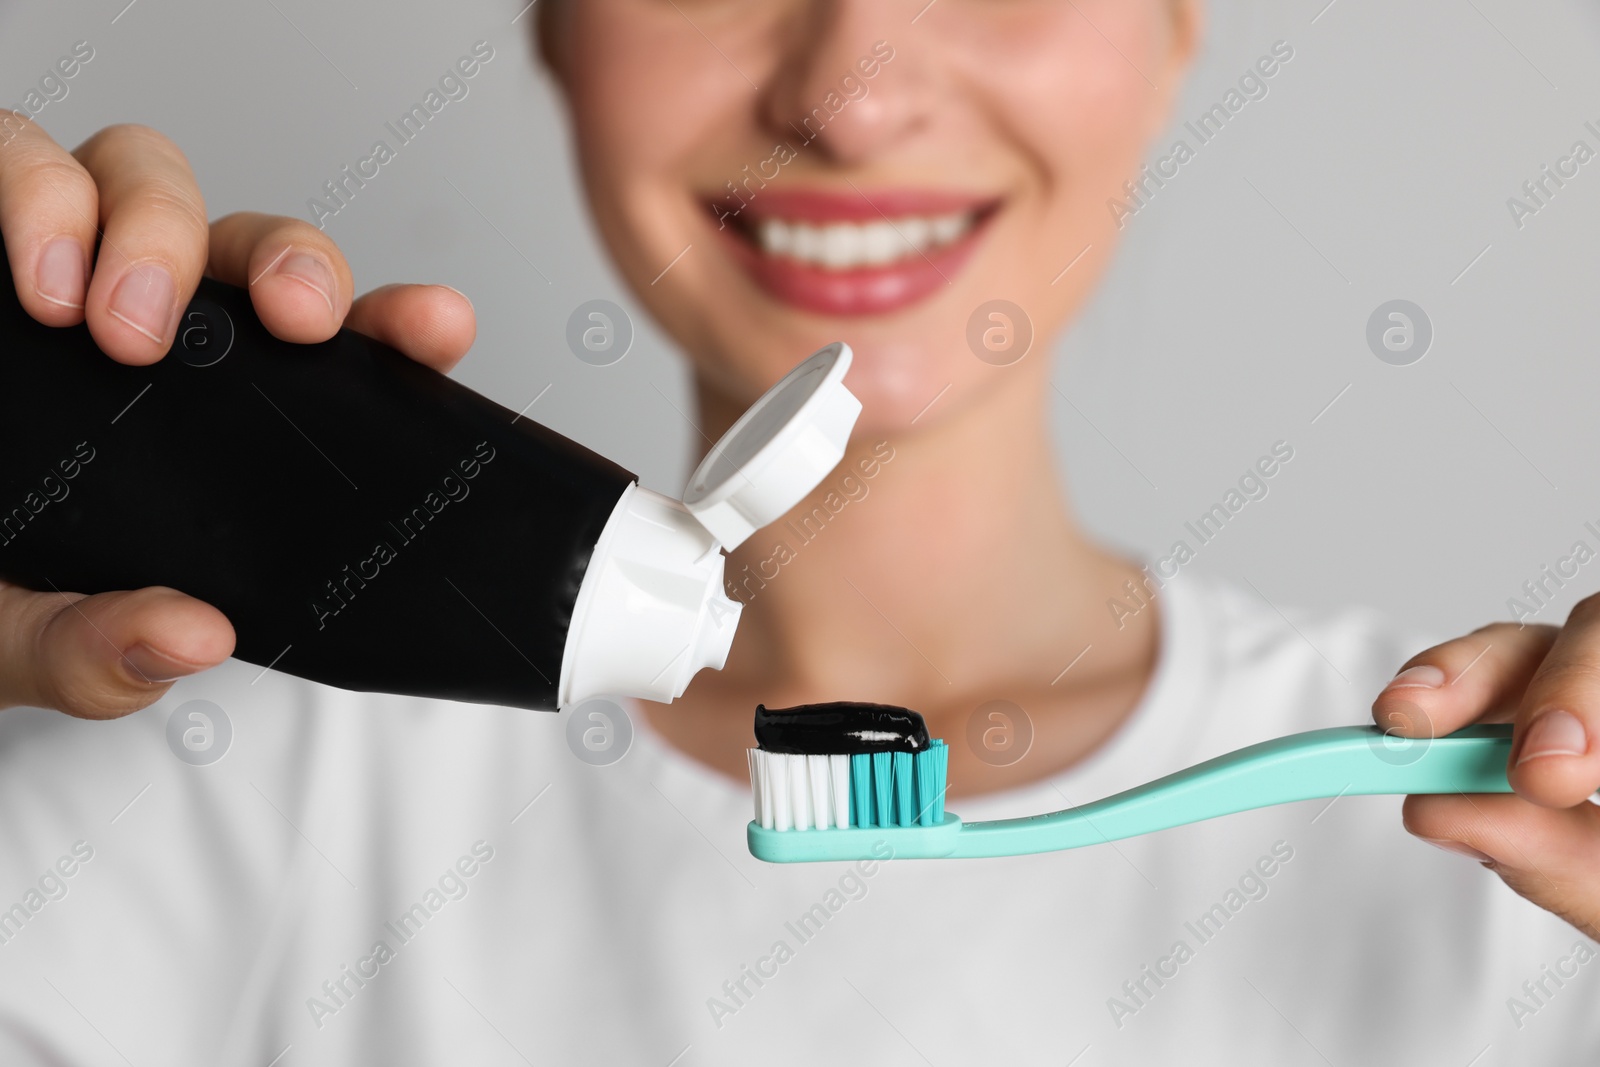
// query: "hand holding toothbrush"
[[1543, 839]]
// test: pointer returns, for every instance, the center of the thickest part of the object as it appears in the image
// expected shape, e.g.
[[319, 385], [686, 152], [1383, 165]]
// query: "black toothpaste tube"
[[369, 523]]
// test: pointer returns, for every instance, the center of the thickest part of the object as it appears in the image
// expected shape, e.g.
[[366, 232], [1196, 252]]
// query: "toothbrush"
[[831, 782]]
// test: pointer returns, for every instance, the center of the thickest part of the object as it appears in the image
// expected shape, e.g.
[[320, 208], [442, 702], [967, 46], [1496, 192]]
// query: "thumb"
[[103, 656]]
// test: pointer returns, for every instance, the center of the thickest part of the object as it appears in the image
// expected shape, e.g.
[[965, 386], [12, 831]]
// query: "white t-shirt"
[[615, 918]]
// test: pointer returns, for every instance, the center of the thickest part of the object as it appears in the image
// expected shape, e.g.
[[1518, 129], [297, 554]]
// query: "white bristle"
[[839, 765], [799, 791], [823, 792], [760, 786], [817, 779], [792, 791], [752, 757], [768, 807], [778, 773]]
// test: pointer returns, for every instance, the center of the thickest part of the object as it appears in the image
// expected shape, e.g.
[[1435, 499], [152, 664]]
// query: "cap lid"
[[778, 451]]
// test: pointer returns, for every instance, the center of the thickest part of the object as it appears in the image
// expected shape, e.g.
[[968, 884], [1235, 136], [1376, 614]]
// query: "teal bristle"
[[905, 812], [899, 788], [931, 764], [861, 789], [883, 788]]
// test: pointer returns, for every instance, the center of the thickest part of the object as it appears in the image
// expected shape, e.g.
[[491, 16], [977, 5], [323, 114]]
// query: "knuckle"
[[136, 137], [301, 234], [236, 223], [1474, 646], [84, 699], [49, 186], [15, 120], [60, 679], [1418, 819], [1586, 610], [93, 694], [174, 200], [72, 698], [1570, 676], [19, 126], [249, 230], [1504, 629]]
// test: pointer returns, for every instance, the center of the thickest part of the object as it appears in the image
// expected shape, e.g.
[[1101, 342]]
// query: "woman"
[[838, 170]]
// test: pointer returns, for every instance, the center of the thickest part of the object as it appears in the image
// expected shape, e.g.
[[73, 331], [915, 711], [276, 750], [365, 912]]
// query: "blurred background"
[[1377, 167]]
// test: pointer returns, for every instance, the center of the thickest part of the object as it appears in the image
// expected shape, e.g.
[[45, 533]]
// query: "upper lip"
[[820, 205]]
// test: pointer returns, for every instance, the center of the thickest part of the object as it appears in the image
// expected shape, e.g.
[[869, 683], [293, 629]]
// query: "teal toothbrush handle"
[[1343, 761]]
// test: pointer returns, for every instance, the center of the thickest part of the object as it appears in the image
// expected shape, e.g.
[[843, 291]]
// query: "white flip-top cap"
[[778, 451], [651, 611]]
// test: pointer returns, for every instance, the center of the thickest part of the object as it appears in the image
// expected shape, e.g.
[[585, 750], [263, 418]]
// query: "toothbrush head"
[[834, 781]]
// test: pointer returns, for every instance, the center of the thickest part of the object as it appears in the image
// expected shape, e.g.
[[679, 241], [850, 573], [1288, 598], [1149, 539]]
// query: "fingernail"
[[143, 299], [60, 276], [1555, 733], [1421, 676], [310, 272], [147, 666], [1458, 848]]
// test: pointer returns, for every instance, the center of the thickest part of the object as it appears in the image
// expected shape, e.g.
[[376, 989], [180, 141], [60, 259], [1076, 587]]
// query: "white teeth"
[[881, 244], [916, 231], [805, 243], [776, 237], [847, 245], [947, 228], [841, 245]]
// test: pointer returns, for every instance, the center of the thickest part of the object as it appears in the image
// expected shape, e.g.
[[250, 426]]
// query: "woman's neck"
[[939, 570]]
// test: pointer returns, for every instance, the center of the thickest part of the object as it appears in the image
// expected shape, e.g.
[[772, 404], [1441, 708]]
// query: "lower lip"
[[864, 291]]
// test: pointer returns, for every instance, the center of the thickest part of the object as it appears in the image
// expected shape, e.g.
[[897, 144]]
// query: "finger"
[[1478, 677], [298, 279], [1554, 760], [433, 324], [1551, 856], [48, 208], [153, 243], [103, 656]]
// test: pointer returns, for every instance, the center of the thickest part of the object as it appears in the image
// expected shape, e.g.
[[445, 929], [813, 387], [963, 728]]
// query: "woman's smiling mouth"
[[855, 253]]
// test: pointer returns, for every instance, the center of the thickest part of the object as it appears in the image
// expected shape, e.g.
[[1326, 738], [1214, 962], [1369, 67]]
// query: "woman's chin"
[[903, 385], [905, 373]]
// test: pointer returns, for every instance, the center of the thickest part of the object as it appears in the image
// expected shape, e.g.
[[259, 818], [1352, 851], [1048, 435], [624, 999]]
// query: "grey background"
[[1377, 168]]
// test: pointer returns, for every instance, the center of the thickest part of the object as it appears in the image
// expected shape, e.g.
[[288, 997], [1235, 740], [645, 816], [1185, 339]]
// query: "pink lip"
[[867, 290]]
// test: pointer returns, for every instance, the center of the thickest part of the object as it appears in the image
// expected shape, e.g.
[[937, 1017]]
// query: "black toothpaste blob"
[[842, 727]]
